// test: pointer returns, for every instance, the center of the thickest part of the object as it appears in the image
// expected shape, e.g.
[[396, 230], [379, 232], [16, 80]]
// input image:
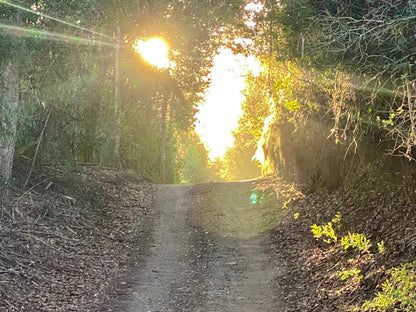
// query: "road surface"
[[208, 252]]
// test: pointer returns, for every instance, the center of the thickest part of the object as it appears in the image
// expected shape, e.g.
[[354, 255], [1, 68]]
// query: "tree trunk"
[[8, 123]]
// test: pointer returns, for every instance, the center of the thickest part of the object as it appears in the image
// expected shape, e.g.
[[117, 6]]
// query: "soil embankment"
[[68, 242], [101, 240]]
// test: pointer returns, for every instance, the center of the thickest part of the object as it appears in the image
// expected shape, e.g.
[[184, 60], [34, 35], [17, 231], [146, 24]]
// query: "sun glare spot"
[[252, 9], [259, 155], [221, 108], [155, 51]]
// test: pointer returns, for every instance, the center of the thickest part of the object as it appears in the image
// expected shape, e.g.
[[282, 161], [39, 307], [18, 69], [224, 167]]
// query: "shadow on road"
[[209, 251], [235, 209]]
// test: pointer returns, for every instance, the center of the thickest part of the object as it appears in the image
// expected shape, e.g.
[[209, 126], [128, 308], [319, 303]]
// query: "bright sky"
[[219, 113], [252, 8]]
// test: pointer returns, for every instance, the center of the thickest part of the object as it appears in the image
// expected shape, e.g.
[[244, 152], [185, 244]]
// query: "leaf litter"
[[66, 244]]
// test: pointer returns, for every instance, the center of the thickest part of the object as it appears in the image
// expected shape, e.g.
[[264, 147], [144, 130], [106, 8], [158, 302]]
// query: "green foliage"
[[381, 248], [195, 167], [193, 164], [76, 83], [292, 105], [319, 66], [369, 177], [324, 231], [355, 240], [327, 230], [398, 292], [61, 142], [385, 78], [238, 161], [354, 273], [337, 218]]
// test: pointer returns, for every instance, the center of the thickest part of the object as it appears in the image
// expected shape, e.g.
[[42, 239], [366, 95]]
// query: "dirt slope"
[[101, 240], [67, 242]]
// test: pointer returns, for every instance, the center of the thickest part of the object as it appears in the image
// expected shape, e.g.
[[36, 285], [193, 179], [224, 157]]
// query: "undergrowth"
[[398, 292], [355, 240], [350, 241]]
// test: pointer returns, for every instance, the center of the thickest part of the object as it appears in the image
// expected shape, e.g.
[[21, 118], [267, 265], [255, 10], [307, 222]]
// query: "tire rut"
[[192, 267]]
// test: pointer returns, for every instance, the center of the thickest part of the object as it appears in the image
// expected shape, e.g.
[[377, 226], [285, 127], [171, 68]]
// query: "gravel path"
[[194, 265]]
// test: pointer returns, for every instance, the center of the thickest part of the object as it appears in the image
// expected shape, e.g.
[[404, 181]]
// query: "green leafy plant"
[[325, 231], [293, 105], [398, 292], [350, 273], [337, 218], [381, 247], [355, 240]]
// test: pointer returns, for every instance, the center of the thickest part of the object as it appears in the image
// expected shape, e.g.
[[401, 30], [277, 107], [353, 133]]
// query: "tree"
[[196, 167], [9, 99], [239, 160], [8, 120], [67, 94]]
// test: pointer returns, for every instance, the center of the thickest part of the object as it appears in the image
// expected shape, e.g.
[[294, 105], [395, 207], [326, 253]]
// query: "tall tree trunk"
[[8, 123]]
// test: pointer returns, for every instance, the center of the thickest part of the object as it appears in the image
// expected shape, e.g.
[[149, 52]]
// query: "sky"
[[219, 112]]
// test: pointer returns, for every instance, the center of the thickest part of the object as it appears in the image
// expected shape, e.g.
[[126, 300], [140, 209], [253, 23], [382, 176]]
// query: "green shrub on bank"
[[355, 240], [398, 292], [353, 273], [326, 231]]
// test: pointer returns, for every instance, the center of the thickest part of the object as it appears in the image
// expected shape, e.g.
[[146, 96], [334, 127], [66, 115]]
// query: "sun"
[[155, 51]]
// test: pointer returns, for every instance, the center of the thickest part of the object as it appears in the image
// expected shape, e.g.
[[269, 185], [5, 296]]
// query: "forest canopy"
[[85, 95], [337, 69]]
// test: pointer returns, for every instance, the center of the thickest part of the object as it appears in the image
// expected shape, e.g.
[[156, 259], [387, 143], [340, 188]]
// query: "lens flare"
[[155, 51], [36, 12], [47, 35]]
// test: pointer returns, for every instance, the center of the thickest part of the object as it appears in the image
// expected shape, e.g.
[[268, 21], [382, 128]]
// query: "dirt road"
[[207, 252]]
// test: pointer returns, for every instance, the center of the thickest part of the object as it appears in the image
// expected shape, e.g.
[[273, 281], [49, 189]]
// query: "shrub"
[[350, 273], [398, 292], [381, 247], [326, 231], [355, 240]]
